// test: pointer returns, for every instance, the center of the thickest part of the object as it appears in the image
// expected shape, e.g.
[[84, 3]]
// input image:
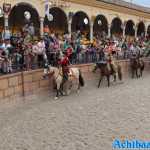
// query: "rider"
[[64, 62], [102, 57], [101, 60], [111, 62]]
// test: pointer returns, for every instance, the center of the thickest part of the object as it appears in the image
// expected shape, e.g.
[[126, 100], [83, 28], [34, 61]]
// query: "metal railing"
[[76, 58]]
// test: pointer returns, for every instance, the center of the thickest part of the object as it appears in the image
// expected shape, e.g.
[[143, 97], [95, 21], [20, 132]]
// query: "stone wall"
[[25, 83]]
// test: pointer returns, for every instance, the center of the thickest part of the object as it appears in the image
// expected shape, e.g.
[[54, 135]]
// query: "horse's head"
[[52, 70], [48, 70]]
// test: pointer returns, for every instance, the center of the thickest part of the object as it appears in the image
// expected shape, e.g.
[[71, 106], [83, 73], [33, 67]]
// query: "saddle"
[[68, 71], [100, 63]]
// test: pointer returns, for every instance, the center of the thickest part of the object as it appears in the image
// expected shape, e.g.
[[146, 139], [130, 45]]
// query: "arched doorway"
[[17, 19], [100, 25], [130, 28], [141, 29], [1, 25], [148, 31], [80, 21], [116, 27], [57, 20]]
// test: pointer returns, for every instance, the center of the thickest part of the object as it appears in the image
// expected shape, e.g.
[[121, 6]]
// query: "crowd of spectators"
[[25, 52]]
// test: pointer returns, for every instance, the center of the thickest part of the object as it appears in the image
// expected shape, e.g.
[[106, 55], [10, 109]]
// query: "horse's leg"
[[95, 68], [57, 94], [120, 73], [141, 72], [137, 73], [115, 77], [61, 90], [69, 86], [63, 84], [108, 80], [78, 90], [58, 90], [100, 81]]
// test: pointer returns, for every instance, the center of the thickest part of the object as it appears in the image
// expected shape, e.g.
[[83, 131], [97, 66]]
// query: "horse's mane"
[[55, 69]]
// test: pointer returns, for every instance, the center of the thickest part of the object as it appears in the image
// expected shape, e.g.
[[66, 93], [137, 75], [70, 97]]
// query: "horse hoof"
[[64, 94], [56, 98]]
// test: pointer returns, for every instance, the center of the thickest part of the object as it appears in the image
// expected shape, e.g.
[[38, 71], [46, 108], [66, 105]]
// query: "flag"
[[47, 7]]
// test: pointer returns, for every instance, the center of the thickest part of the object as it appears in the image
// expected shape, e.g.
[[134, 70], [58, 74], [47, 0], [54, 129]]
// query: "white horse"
[[75, 76]]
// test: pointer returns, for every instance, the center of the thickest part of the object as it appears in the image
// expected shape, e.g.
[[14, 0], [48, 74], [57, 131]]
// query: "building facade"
[[91, 16]]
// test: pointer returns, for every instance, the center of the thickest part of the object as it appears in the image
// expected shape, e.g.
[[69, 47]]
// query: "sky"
[[141, 2]]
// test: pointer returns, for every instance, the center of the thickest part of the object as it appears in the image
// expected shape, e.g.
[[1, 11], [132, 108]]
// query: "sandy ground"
[[90, 120]]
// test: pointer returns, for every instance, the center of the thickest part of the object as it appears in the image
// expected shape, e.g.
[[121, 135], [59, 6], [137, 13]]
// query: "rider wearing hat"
[[64, 62], [111, 62]]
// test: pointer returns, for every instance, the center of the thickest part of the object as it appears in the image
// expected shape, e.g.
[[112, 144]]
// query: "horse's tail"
[[119, 72], [81, 80]]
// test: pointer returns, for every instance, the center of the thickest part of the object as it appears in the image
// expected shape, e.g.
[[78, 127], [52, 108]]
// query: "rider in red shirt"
[[64, 62]]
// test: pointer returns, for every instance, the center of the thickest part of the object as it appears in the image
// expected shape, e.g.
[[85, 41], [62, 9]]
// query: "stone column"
[[109, 30], [69, 27], [6, 34], [91, 31], [136, 31], [145, 32], [41, 26], [6, 21], [124, 31]]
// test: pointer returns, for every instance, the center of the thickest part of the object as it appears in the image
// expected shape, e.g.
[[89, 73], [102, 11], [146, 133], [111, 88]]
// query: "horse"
[[106, 71], [137, 64], [74, 75]]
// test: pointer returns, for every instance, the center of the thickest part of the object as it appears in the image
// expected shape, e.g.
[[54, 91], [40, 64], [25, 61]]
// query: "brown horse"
[[107, 72], [137, 66]]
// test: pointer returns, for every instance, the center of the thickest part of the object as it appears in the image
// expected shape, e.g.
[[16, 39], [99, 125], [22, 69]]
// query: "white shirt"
[[41, 47]]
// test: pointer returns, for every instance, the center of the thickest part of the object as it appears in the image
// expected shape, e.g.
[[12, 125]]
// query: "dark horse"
[[106, 72], [137, 65]]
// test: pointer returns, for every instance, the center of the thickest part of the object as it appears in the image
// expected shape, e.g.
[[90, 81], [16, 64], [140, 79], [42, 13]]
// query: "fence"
[[76, 58], [29, 82]]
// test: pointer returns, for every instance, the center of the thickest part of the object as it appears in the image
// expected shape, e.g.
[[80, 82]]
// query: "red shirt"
[[69, 51], [64, 61]]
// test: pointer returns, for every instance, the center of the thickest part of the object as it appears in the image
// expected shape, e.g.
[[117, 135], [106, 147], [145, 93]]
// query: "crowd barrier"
[[30, 82]]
